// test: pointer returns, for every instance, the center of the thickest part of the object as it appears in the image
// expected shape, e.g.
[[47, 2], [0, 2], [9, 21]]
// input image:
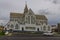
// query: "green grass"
[[2, 33], [29, 32], [38, 33]]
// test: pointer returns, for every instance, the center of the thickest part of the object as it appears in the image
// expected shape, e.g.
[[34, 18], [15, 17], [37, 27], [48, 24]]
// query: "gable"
[[30, 12]]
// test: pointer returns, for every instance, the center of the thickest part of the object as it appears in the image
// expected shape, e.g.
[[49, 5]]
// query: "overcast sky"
[[50, 8]]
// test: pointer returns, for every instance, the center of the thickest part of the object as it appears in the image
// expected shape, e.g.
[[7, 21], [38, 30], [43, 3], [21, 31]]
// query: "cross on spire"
[[25, 2]]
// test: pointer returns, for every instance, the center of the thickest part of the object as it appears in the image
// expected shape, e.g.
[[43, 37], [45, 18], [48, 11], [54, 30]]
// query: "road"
[[28, 38]]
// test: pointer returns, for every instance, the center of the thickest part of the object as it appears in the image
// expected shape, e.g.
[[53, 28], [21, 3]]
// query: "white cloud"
[[3, 22], [7, 6]]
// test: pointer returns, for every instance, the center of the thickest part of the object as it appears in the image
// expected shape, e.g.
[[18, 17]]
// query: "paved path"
[[28, 38]]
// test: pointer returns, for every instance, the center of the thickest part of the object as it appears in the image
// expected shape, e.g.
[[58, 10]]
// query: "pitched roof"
[[16, 14], [30, 11], [41, 17]]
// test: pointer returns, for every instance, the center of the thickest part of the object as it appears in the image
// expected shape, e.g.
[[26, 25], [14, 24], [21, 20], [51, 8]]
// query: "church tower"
[[26, 8]]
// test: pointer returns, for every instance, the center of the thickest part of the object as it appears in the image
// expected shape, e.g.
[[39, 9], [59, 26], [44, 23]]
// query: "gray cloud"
[[46, 6], [56, 1]]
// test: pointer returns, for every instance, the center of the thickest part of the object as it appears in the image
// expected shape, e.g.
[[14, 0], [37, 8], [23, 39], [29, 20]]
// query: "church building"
[[28, 21]]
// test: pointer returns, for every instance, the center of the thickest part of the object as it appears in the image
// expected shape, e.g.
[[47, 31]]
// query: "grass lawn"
[[2, 34], [27, 32]]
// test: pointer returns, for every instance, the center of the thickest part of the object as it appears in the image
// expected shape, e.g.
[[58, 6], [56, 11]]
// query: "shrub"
[[2, 33], [38, 32]]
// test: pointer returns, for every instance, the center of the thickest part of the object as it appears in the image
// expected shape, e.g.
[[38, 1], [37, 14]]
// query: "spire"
[[26, 8]]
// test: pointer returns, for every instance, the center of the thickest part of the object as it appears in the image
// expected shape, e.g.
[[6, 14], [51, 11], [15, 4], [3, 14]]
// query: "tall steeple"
[[26, 8]]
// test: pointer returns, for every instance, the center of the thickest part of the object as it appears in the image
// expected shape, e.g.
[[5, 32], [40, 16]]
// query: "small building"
[[58, 27], [54, 28]]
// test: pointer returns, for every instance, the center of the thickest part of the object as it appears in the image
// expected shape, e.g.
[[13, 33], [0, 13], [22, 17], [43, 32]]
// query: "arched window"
[[44, 28], [12, 25], [48, 28], [41, 27], [16, 26], [32, 20], [8, 26], [28, 19]]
